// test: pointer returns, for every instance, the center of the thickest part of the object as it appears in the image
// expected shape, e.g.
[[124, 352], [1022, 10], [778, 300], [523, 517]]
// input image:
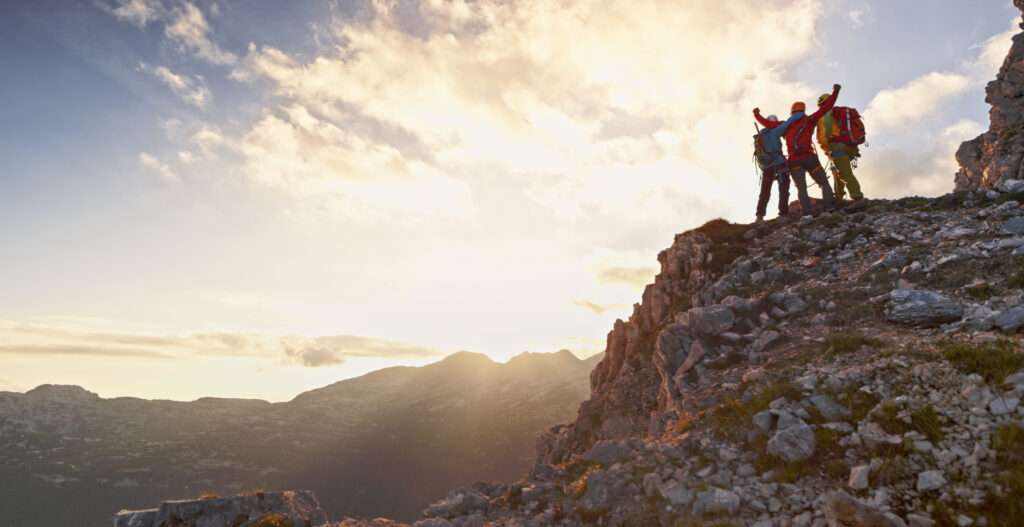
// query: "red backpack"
[[849, 127]]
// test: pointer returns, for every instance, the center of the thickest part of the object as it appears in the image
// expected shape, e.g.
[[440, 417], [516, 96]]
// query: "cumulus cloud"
[[927, 171], [993, 52], [185, 25], [192, 90], [904, 106], [162, 169], [493, 91]]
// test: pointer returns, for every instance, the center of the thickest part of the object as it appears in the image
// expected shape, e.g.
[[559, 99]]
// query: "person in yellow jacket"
[[840, 154]]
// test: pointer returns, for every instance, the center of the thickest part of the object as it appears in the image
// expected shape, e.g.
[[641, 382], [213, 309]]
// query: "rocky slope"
[[861, 368], [386, 443], [998, 154]]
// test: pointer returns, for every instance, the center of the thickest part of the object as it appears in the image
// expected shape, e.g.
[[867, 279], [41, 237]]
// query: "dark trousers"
[[778, 173], [797, 170]]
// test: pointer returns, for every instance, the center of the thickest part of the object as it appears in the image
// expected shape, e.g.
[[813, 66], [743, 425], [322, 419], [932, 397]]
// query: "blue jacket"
[[772, 137]]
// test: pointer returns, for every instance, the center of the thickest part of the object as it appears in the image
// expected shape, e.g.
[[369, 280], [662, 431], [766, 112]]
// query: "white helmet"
[[772, 117]]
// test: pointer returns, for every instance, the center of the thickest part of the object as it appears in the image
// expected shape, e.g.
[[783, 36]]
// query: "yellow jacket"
[[827, 129]]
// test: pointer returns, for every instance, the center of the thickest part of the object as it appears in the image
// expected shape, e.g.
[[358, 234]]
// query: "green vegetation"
[[858, 402], [891, 471], [843, 343], [727, 242], [887, 417], [827, 460], [981, 291], [992, 360], [1012, 196], [732, 418], [1016, 281], [926, 421], [1007, 510]]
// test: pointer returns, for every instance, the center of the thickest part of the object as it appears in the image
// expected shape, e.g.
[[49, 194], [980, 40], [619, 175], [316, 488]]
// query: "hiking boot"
[[760, 219]]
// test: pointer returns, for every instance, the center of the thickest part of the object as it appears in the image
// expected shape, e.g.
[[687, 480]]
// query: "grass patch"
[[887, 418], [858, 402], [860, 230], [927, 421], [732, 418], [992, 360], [1012, 196], [982, 291], [891, 471], [843, 343], [1016, 281], [727, 242], [1007, 510]]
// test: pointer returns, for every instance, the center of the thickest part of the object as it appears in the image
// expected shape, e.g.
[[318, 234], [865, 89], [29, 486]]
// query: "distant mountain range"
[[386, 443]]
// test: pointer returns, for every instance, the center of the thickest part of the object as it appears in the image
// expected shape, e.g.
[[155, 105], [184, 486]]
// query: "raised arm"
[[827, 105], [764, 122]]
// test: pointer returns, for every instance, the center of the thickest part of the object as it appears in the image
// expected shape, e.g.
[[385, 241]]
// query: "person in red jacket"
[[800, 149]]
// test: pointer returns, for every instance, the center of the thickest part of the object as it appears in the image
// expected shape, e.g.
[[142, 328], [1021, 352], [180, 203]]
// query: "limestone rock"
[[794, 443], [921, 307]]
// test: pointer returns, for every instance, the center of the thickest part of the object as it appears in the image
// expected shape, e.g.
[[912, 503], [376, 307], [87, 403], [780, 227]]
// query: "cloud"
[[632, 276], [859, 15], [904, 106], [162, 169], [896, 172], [188, 27], [137, 12], [993, 52], [45, 339], [596, 308], [335, 350], [592, 122], [79, 351], [192, 90], [184, 25]]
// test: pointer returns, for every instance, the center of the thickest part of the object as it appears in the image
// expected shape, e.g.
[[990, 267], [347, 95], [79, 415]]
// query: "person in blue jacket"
[[773, 165]]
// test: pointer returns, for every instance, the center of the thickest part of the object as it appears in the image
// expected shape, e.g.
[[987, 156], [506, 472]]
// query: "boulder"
[[922, 307], [930, 480], [716, 502], [859, 477], [1013, 225], [299, 507], [794, 443], [709, 321], [607, 452], [1011, 319]]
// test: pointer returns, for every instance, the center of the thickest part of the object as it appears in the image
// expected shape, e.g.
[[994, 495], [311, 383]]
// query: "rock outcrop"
[[257, 509], [996, 157]]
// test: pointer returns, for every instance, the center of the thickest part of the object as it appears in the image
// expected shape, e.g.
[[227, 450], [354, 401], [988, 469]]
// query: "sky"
[[251, 198]]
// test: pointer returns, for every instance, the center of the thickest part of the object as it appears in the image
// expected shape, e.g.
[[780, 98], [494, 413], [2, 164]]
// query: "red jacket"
[[801, 132]]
